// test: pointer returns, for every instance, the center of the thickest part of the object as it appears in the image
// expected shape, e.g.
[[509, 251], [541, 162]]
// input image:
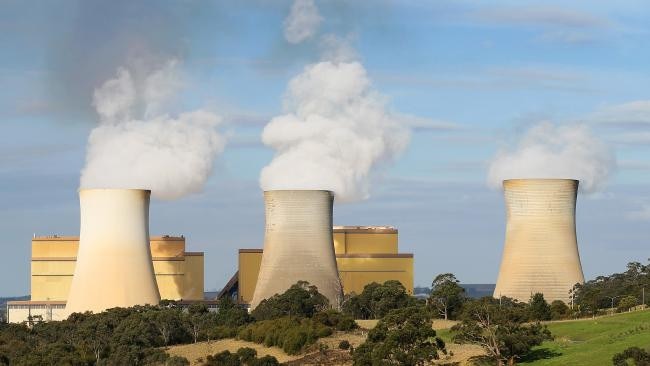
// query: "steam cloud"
[[303, 21], [336, 129], [550, 151], [136, 145]]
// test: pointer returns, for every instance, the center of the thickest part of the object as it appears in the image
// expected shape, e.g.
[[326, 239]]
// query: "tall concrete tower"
[[114, 267], [298, 244], [541, 250]]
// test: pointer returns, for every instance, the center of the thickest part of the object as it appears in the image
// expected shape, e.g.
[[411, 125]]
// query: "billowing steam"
[[550, 151], [303, 21], [335, 131], [136, 145]]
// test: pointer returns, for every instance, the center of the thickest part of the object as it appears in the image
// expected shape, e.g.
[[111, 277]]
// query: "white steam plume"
[[335, 130], [550, 151], [302, 22], [172, 156]]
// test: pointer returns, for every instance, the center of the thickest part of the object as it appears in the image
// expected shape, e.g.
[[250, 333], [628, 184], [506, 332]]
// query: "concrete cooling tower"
[[298, 244], [114, 267], [541, 250]]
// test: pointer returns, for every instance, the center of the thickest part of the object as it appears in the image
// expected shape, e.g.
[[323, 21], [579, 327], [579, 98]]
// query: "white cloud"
[[547, 16], [302, 22], [641, 214], [626, 114]]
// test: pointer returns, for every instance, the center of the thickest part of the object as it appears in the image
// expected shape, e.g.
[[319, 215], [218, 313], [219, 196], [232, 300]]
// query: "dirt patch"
[[201, 350], [367, 324], [443, 324], [327, 357]]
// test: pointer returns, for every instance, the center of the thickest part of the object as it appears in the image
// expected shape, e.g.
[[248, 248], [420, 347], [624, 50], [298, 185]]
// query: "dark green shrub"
[[246, 354], [224, 358], [300, 300], [638, 356], [265, 361], [344, 344], [177, 361]]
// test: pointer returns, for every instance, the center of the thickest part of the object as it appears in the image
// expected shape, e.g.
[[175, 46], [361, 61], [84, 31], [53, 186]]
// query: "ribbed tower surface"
[[298, 244], [541, 251], [114, 267]]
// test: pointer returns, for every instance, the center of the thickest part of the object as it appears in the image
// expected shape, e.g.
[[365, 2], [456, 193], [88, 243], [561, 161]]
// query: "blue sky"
[[488, 71]]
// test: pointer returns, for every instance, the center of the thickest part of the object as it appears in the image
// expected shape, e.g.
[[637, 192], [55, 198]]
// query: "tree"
[[638, 356], [447, 296], [627, 302], [539, 308], [559, 310], [377, 300], [301, 300], [403, 337], [498, 327]]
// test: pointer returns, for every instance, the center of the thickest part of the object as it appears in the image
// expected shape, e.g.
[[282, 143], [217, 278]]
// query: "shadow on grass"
[[539, 354]]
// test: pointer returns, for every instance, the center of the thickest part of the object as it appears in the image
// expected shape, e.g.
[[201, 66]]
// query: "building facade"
[[364, 254], [179, 274]]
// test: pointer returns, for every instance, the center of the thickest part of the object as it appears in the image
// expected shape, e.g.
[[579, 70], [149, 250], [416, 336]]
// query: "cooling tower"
[[298, 244], [114, 267], [541, 250]]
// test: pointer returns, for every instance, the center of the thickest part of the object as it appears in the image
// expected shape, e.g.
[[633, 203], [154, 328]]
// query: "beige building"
[[364, 254], [179, 274], [541, 250]]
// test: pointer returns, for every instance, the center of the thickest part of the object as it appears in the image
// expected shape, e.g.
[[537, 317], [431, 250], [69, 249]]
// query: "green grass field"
[[589, 342], [594, 342]]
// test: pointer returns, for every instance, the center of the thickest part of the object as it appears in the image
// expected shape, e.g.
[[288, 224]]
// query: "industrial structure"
[[540, 254], [364, 254], [114, 266], [114, 262], [179, 274], [298, 244]]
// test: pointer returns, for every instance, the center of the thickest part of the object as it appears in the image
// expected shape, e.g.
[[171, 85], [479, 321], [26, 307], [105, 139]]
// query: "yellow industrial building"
[[364, 254], [179, 274]]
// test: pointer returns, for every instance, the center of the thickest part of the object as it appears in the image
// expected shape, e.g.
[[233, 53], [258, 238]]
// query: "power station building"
[[178, 273], [364, 254]]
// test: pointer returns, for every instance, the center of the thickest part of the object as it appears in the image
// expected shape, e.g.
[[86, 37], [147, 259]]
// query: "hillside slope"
[[593, 341]]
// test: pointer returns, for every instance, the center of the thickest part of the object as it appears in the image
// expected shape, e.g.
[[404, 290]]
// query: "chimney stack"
[[298, 244], [541, 251], [114, 267]]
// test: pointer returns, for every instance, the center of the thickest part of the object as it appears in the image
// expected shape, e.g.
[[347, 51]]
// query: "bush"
[[344, 344], [638, 356], [224, 358], [377, 300], [291, 334], [244, 356], [335, 319], [402, 337], [626, 303], [265, 361], [300, 300], [539, 308], [559, 310], [177, 361]]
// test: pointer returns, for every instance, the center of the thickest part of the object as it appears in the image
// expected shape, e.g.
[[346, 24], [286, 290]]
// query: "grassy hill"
[[593, 341], [587, 342], [577, 342]]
